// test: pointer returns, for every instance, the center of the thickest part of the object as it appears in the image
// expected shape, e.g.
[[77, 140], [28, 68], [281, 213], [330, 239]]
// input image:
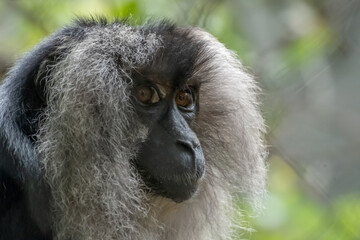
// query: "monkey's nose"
[[194, 157], [187, 161]]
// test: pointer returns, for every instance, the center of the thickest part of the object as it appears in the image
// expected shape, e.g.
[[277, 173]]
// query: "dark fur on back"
[[68, 131]]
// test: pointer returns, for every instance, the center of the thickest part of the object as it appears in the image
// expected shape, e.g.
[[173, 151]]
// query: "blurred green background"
[[306, 57]]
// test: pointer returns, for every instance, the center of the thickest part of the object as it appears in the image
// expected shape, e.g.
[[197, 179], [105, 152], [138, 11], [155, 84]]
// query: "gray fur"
[[90, 133]]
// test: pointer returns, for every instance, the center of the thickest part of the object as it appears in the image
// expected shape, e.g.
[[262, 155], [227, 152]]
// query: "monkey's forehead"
[[182, 53], [166, 53]]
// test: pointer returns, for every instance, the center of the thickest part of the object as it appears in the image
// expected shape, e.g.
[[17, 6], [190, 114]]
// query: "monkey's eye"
[[147, 95], [184, 99]]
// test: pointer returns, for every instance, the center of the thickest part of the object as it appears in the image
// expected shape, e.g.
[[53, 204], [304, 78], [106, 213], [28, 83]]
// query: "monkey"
[[115, 131]]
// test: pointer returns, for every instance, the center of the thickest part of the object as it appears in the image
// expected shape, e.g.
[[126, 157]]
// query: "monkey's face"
[[171, 160]]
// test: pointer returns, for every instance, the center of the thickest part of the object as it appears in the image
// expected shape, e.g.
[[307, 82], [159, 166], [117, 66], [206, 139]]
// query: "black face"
[[171, 160]]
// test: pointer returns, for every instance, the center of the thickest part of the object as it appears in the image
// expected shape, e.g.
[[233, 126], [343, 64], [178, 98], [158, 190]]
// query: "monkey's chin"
[[180, 194], [176, 189]]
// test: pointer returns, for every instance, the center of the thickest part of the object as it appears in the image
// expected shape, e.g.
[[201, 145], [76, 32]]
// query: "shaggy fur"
[[89, 133]]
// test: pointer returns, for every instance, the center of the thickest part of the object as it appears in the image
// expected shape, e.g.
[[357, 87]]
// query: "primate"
[[113, 131]]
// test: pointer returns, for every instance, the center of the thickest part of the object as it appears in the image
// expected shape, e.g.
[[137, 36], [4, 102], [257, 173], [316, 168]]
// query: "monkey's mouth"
[[177, 187]]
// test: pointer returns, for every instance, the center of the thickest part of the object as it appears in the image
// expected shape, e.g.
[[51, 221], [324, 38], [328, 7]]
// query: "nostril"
[[189, 144], [185, 144]]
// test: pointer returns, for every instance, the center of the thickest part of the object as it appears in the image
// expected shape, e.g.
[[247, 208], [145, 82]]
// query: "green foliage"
[[291, 213]]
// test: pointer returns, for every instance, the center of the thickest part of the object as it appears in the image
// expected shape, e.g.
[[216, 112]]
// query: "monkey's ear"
[[22, 95]]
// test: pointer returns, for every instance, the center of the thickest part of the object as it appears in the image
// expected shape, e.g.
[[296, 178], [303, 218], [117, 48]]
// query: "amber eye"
[[147, 95], [184, 99]]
